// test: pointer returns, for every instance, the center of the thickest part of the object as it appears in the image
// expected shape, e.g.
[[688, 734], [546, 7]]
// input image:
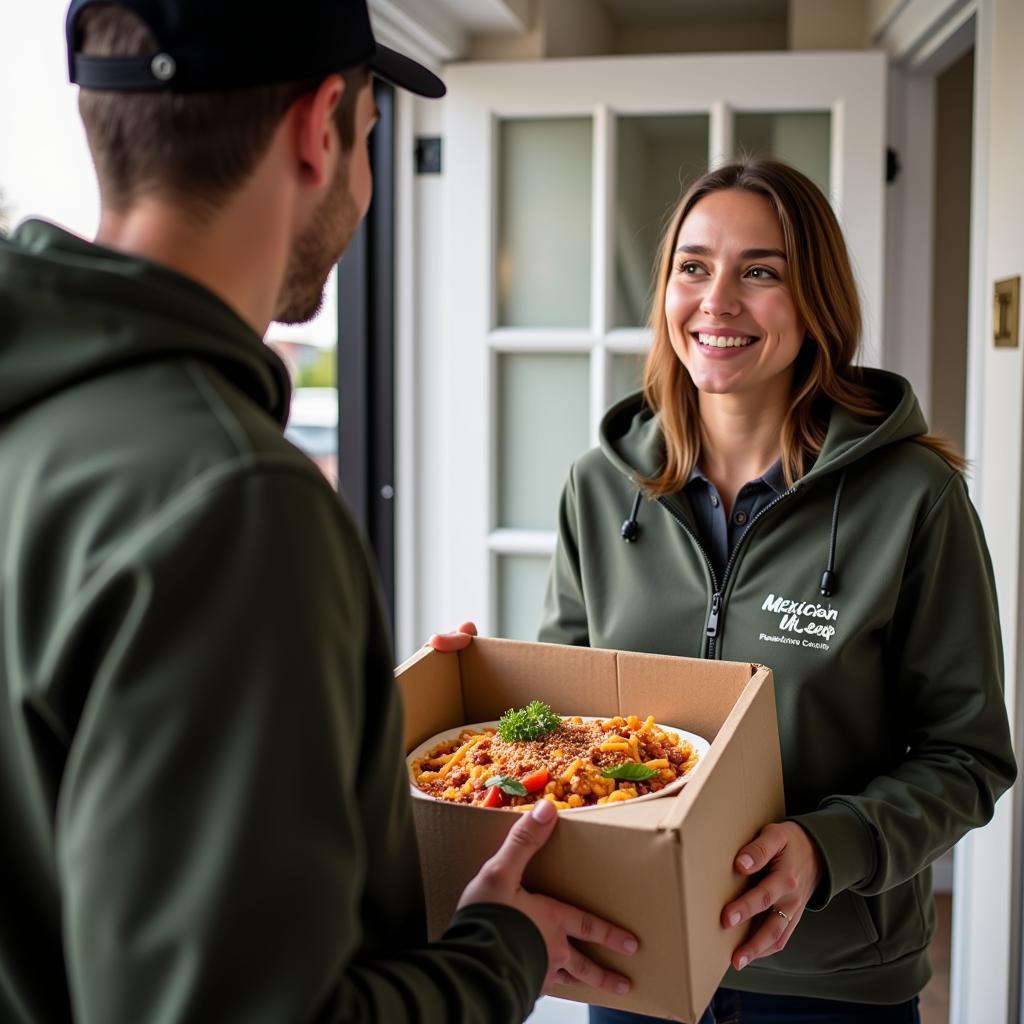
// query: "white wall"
[[45, 168]]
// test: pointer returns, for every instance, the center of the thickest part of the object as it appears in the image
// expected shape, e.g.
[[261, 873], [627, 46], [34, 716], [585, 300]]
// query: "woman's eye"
[[762, 273], [689, 268]]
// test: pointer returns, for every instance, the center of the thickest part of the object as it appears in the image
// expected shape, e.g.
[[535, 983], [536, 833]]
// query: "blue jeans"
[[731, 1007]]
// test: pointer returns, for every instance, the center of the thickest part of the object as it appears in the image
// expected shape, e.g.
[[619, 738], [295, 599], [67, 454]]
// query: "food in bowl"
[[535, 754]]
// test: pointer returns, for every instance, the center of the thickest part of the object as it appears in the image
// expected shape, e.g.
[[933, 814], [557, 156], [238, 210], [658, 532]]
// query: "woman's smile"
[[722, 343]]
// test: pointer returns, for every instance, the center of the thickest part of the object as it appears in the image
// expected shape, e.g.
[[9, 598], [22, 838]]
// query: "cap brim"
[[396, 68]]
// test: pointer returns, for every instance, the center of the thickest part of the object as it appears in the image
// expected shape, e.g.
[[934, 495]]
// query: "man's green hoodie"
[[204, 810], [894, 733]]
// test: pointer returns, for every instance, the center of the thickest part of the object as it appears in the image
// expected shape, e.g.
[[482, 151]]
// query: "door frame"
[[923, 38], [916, 34]]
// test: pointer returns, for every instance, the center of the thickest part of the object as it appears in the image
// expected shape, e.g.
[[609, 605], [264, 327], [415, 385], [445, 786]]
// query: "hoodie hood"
[[121, 311], [631, 434]]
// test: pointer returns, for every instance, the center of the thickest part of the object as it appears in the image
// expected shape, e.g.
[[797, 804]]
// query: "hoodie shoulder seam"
[[954, 475]]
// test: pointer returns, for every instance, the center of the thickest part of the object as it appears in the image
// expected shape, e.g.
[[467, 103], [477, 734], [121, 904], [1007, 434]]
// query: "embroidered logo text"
[[801, 623]]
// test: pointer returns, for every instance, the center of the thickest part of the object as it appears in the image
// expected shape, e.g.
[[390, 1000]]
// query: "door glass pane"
[[544, 188], [656, 158], [521, 583], [543, 425], [801, 139], [627, 375]]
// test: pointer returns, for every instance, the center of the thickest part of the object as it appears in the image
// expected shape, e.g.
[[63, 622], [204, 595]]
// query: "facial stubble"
[[316, 250]]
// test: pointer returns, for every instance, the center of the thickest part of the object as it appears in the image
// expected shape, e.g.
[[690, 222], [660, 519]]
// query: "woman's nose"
[[719, 298]]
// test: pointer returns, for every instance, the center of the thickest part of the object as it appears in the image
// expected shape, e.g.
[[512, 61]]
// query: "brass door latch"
[[1006, 314]]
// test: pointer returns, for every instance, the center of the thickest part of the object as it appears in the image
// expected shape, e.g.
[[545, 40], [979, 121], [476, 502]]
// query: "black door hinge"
[[428, 154], [892, 165]]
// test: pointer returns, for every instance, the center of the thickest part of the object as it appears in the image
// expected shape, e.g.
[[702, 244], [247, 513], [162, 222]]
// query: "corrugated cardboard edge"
[[756, 760]]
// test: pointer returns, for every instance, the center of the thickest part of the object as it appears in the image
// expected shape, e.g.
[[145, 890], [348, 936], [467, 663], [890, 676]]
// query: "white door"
[[558, 177]]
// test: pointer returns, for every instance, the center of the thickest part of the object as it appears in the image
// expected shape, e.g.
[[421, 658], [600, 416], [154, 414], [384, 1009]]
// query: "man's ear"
[[317, 145]]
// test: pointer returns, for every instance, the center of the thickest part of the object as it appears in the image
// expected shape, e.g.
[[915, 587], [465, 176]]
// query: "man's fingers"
[[583, 970], [524, 839], [563, 977], [578, 924]]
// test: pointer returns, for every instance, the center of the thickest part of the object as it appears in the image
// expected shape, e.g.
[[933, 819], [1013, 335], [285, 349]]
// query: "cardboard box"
[[660, 868]]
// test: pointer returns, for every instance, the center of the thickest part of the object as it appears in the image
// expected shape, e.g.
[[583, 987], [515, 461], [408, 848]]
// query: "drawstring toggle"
[[630, 529]]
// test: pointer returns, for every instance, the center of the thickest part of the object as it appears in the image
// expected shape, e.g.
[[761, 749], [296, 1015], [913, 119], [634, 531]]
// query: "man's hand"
[[500, 881], [454, 641], [794, 868]]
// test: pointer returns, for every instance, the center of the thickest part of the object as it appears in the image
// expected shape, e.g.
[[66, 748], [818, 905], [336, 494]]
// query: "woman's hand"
[[500, 880], [793, 867], [454, 641]]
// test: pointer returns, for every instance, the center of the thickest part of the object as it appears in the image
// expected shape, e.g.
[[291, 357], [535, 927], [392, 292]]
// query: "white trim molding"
[[913, 30], [437, 32], [424, 31]]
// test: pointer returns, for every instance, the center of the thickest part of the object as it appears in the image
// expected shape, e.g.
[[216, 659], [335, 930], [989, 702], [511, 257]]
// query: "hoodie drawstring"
[[829, 580], [630, 530], [630, 527]]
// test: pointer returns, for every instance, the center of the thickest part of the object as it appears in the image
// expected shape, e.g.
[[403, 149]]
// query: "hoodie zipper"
[[718, 592], [711, 625]]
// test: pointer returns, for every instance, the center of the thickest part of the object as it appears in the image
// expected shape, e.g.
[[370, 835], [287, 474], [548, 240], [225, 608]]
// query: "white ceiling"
[[662, 12], [480, 16]]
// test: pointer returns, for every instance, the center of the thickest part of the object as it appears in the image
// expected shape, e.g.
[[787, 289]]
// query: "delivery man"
[[204, 810]]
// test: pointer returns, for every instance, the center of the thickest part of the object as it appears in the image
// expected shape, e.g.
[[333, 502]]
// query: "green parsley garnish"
[[506, 784], [529, 723], [629, 770]]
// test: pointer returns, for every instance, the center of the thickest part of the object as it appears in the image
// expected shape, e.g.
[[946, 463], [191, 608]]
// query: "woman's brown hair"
[[825, 295]]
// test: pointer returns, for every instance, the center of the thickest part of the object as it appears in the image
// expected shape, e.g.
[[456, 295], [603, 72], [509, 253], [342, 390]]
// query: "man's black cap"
[[214, 45]]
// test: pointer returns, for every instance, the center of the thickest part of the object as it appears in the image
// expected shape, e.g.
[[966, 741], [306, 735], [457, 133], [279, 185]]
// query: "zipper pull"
[[711, 629]]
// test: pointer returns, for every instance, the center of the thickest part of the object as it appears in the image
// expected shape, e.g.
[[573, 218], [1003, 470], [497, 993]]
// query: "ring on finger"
[[785, 917]]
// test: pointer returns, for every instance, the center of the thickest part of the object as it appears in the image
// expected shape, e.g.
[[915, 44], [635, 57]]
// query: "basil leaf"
[[506, 784], [629, 770]]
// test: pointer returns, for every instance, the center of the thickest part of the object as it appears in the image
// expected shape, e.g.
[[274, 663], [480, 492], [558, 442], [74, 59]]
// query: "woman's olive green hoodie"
[[204, 807], [894, 733]]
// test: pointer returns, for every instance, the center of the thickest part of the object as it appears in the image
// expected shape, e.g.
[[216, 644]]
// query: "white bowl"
[[699, 744]]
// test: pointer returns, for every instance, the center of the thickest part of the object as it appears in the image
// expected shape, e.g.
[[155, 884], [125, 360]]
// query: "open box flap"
[[499, 674], [752, 693], [431, 691]]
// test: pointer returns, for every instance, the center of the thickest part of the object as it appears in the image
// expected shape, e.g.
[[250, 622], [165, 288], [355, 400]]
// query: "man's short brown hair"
[[193, 148]]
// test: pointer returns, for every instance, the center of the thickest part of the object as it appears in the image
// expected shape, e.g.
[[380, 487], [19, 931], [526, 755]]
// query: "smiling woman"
[[754, 255], [728, 306], [802, 517]]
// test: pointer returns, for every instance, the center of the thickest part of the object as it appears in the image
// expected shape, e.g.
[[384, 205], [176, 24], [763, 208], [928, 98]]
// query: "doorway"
[[947, 394]]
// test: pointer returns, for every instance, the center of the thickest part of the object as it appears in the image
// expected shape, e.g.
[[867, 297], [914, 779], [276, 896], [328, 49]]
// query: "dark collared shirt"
[[718, 536]]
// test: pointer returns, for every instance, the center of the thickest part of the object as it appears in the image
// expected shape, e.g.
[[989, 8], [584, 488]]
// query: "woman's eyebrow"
[[747, 254], [760, 254]]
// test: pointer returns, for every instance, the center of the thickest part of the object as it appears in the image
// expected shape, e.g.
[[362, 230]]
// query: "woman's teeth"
[[724, 341]]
